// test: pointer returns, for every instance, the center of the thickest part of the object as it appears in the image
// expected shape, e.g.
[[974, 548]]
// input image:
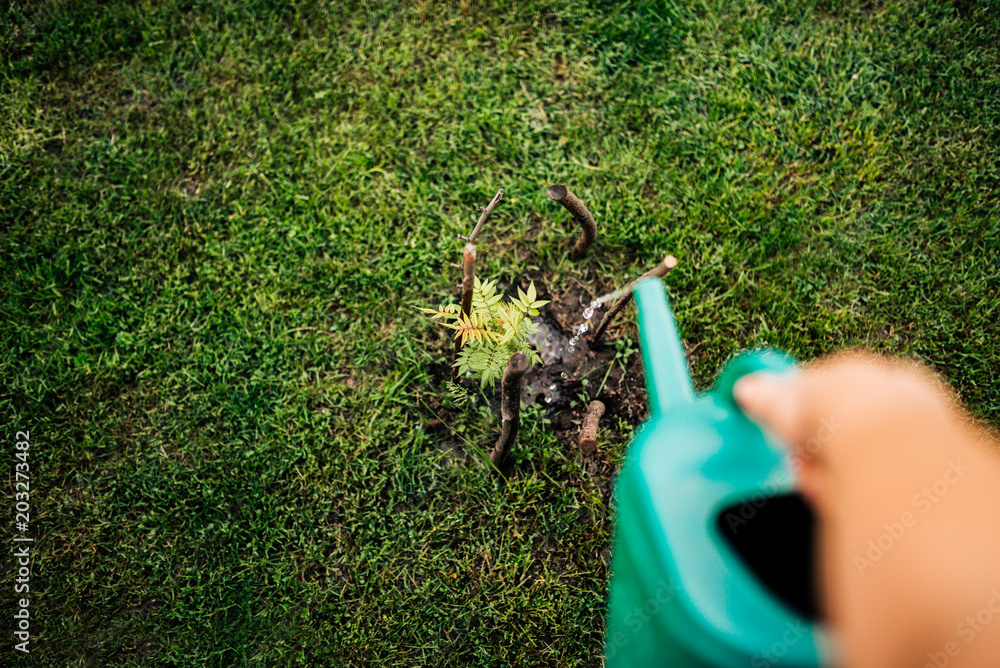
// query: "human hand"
[[906, 497]]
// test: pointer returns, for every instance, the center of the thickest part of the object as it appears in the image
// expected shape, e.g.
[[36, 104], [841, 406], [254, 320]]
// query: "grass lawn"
[[215, 216]]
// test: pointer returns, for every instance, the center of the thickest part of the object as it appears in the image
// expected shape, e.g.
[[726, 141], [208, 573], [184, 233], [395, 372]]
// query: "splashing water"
[[584, 327], [670, 261]]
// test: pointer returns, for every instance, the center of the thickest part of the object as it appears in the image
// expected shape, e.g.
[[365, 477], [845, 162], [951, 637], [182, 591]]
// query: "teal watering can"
[[713, 549]]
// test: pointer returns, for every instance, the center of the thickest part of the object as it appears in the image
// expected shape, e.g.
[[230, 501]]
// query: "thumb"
[[772, 401]]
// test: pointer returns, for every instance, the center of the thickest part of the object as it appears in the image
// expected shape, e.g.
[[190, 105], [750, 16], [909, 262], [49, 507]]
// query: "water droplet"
[[588, 314], [564, 375], [552, 386], [583, 328], [548, 400], [597, 303], [572, 342]]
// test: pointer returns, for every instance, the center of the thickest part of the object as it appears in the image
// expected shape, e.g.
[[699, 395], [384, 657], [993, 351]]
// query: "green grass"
[[215, 215]]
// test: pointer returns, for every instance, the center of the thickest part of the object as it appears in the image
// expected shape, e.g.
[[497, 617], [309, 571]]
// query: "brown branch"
[[588, 434], [659, 271], [572, 203], [482, 219], [468, 283], [510, 410]]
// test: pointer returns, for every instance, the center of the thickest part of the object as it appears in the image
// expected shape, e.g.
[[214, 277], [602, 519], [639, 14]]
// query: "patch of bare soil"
[[618, 383], [559, 383]]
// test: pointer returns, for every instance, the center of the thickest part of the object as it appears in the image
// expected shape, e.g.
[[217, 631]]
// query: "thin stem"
[[486, 401], [588, 434], [468, 277], [659, 271], [588, 228], [468, 283], [510, 410], [482, 219], [605, 379]]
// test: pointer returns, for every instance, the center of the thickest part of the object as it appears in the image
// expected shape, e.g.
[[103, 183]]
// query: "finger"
[[773, 402]]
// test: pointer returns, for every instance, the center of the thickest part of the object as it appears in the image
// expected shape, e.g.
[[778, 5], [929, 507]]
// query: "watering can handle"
[[746, 363]]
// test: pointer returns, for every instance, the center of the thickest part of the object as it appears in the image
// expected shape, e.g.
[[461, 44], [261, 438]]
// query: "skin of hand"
[[906, 489]]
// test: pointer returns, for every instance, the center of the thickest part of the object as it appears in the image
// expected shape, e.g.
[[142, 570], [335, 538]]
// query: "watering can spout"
[[668, 381]]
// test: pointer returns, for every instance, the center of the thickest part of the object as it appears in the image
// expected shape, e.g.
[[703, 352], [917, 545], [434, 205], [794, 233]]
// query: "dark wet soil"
[[567, 378], [618, 383]]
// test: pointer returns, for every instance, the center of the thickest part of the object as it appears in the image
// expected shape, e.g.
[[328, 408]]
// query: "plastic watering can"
[[713, 549]]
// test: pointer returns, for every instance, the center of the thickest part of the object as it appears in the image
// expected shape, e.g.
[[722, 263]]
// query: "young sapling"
[[493, 340], [492, 331]]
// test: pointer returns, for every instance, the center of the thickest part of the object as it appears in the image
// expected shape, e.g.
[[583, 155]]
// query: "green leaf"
[[493, 331], [458, 394]]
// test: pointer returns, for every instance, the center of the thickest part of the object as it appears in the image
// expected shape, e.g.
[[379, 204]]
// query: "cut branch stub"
[[588, 434], [659, 271], [468, 283], [510, 410], [572, 203]]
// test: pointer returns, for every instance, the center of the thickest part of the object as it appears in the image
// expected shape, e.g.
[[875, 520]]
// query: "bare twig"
[[588, 434], [659, 271], [468, 283], [482, 219], [572, 203], [510, 410]]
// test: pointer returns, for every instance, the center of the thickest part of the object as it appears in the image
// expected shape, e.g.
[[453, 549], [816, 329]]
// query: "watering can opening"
[[774, 537]]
